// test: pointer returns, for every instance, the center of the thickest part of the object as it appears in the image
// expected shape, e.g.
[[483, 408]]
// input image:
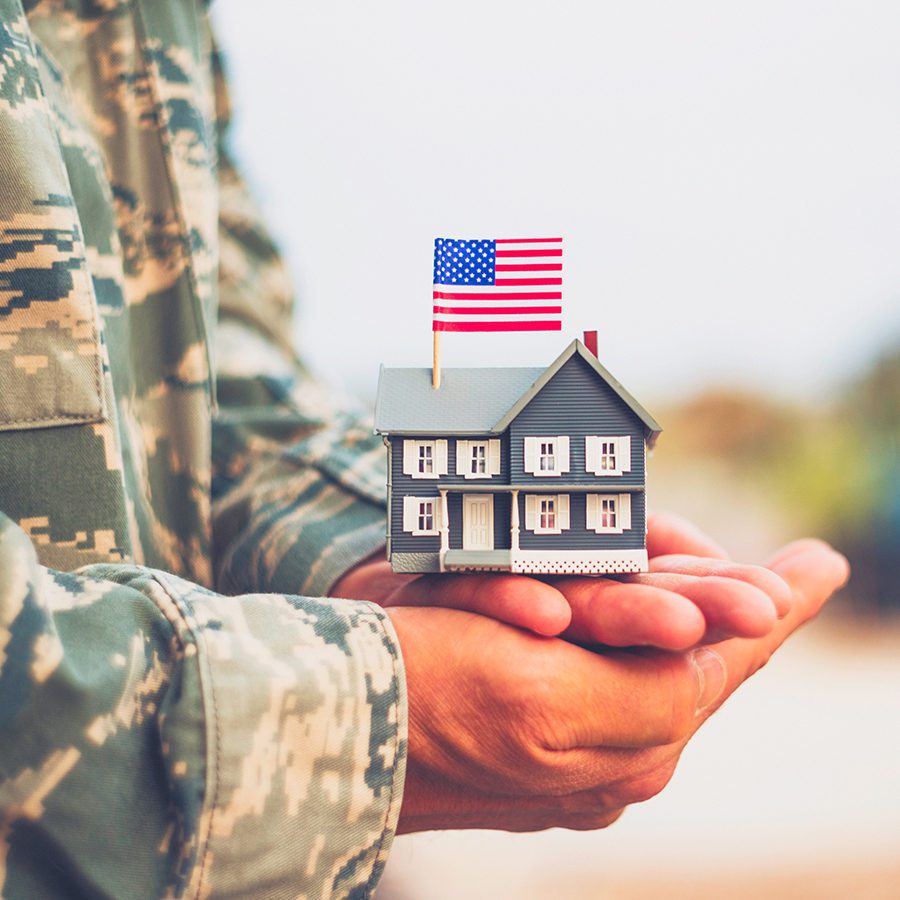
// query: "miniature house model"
[[515, 469]]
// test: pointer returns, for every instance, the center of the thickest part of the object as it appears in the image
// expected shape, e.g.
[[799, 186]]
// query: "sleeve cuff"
[[306, 742], [301, 716]]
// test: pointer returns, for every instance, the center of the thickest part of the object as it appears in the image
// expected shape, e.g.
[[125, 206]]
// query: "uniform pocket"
[[50, 362], [50, 367]]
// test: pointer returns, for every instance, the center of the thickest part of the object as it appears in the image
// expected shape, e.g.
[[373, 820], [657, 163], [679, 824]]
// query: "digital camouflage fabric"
[[158, 737]]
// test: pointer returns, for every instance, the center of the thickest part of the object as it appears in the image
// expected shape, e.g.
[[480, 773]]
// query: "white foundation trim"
[[547, 562], [578, 562]]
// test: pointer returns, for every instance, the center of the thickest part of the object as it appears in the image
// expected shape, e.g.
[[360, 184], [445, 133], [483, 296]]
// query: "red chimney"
[[590, 341]]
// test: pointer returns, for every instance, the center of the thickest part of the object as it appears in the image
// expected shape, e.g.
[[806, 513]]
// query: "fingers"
[[730, 607], [814, 572], [372, 580], [689, 600], [670, 533], [514, 599], [628, 615], [765, 579]]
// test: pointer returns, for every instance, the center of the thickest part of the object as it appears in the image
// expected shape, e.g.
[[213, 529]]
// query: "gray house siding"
[[406, 486], [576, 402], [577, 536], [404, 542]]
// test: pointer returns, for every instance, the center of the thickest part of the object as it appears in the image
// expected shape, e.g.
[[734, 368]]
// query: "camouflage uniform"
[[158, 738]]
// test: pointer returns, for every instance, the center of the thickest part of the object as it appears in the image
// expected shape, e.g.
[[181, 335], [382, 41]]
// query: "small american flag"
[[504, 284]]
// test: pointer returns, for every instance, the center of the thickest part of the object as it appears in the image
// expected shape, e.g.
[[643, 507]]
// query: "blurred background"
[[726, 179]]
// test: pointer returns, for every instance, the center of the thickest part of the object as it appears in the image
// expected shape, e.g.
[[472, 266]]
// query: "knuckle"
[[677, 714]]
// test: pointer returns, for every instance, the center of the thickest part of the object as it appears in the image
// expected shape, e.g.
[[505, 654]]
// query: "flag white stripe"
[[528, 261], [522, 317], [531, 245], [503, 289]]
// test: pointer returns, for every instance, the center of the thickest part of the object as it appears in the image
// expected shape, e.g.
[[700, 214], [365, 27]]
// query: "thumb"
[[514, 599]]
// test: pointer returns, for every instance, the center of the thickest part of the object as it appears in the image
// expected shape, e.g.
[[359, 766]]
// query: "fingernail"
[[711, 676]]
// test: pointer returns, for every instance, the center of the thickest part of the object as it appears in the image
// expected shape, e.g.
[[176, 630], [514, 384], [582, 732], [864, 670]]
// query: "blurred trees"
[[832, 471], [868, 418]]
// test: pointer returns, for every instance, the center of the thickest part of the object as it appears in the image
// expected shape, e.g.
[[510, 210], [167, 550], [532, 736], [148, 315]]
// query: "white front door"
[[478, 522]]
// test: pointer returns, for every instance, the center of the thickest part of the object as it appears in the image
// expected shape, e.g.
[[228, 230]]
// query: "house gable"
[[576, 403], [577, 349]]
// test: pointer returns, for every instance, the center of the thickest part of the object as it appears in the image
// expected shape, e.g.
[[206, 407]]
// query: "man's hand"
[[689, 596], [514, 731]]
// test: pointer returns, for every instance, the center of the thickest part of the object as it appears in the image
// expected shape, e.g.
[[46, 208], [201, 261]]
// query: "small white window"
[[547, 521], [608, 513], [478, 459], [421, 515], [607, 456], [424, 459], [547, 513], [425, 462], [547, 456], [608, 506], [426, 516]]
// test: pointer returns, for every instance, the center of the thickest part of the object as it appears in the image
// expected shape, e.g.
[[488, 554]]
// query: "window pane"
[[426, 515], [548, 456], [607, 455], [548, 513], [608, 512], [479, 456], [426, 460]]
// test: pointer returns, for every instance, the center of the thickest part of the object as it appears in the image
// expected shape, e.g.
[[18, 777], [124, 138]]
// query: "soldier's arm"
[[298, 475], [157, 739]]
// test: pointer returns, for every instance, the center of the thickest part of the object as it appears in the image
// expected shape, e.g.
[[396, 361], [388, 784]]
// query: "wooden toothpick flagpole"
[[436, 365]]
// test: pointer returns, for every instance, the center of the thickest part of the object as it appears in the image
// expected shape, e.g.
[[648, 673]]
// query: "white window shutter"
[[462, 457], [562, 511], [592, 454], [590, 515], [410, 514], [494, 456], [409, 457], [624, 512], [624, 449], [531, 454], [531, 511], [440, 457], [562, 452], [438, 514]]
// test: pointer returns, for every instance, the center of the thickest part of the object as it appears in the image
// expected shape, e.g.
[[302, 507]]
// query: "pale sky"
[[726, 176]]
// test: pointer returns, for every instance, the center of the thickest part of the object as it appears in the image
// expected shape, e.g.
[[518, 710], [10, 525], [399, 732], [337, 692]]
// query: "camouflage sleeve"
[[159, 740], [298, 476]]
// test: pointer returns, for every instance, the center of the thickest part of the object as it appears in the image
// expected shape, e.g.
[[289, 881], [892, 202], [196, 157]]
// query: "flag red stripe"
[[498, 326], [529, 267], [525, 282], [528, 241], [511, 254], [524, 295], [497, 310]]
